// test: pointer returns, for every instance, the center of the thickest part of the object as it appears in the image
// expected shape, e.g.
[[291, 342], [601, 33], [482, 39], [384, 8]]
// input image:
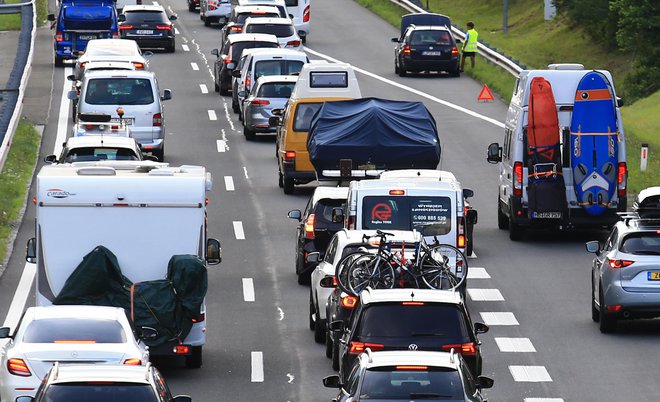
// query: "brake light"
[[397, 192], [349, 302], [517, 179], [236, 28], [454, 51], [306, 14], [294, 43], [248, 82], [201, 317], [125, 27], [406, 50], [82, 65], [412, 368], [211, 6], [616, 264], [614, 308], [164, 27], [359, 347], [260, 102], [412, 303], [622, 179], [227, 60], [59, 37], [18, 367], [460, 232], [289, 156], [133, 362], [158, 120], [309, 227], [115, 35], [466, 349], [181, 349], [138, 65], [89, 126]]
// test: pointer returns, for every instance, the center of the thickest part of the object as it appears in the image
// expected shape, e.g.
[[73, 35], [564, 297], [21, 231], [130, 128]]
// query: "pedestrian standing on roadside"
[[469, 45]]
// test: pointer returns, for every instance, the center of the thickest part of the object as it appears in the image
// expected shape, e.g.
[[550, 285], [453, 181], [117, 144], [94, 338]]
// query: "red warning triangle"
[[485, 95]]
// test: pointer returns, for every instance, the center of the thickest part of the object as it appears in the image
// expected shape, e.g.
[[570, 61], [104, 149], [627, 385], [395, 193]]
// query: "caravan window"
[[304, 114], [406, 213], [323, 79]]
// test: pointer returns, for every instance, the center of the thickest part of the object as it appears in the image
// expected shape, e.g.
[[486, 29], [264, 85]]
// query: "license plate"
[[546, 215], [654, 276], [428, 53], [87, 37], [127, 121], [144, 32]]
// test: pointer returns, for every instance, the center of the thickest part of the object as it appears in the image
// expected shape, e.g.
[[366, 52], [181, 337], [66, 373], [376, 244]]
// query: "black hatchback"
[[426, 48], [148, 25]]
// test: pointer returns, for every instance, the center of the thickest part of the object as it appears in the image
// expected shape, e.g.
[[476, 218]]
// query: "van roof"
[[276, 78], [405, 183], [276, 53], [419, 174], [304, 89], [253, 8]]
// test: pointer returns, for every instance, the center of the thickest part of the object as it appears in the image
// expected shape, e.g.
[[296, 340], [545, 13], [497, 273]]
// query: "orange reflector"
[[133, 362], [397, 192], [117, 204], [181, 349], [34, 200], [349, 301], [413, 368]]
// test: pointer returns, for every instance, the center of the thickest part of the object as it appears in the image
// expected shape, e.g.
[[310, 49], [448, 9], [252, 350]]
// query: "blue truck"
[[78, 22]]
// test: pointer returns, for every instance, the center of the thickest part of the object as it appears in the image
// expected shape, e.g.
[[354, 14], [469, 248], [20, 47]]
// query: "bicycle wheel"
[[369, 271], [341, 272], [444, 267]]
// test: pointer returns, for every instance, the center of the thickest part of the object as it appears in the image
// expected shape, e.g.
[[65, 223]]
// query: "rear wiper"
[[421, 334], [427, 395]]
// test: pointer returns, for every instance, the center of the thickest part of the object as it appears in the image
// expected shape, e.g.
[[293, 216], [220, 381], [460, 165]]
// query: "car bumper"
[[431, 65], [147, 42], [257, 122], [573, 217], [302, 27], [12, 386], [638, 304]]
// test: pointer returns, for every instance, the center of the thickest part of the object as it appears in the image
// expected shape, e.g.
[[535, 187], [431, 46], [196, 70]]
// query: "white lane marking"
[[229, 183], [544, 400], [499, 318], [485, 294], [212, 115], [291, 378], [203, 88], [515, 345], [228, 116], [176, 31], [155, 3], [63, 117], [245, 171], [248, 289], [478, 273], [194, 66], [472, 256], [20, 296], [185, 47], [257, 367], [530, 374], [238, 230], [281, 312], [412, 90], [222, 145]]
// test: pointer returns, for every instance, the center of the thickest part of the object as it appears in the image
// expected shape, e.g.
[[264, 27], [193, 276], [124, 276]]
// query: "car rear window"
[[644, 243], [276, 90], [74, 330], [406, 213], [444, 322], [291, 3], [145, 16], [277, 67], [432, 37], [304, 113], [119, 91], [390, 383], [99, 154], [324, 207], [238, 47], [105, 391], [111, 51], [240, 18], [279, 30]]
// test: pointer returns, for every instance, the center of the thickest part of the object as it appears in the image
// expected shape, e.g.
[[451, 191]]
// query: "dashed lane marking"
[[478, 273], [212, 115], [245, 171], [530, 374], [229, 183], [257, 367], [485, 294], [248, 289], [499, 318], [515, 345], [222, 145], [185, 47], [203, 88], [176, 31], [20, 296], [238, 230], [63, 116], [194, 66]]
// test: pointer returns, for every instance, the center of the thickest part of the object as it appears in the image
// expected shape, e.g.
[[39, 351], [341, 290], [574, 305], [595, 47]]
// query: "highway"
[[542, 345]]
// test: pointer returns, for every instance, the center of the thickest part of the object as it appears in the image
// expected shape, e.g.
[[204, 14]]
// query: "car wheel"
[[249, 134], [328, 343], [207, 22], [402, 70], [59, 61], [216, 87], [304, 39], [159, 153], [223, 89], [194, 360], [191, 7], [171, 48], [288, 185], [311, 311], [319, 330], [234, 103], [396, 68], [280, 180], [595, 314], [470, 242], [515, 230], [607, 321], [335, 357], [502, 220], [240, 115]]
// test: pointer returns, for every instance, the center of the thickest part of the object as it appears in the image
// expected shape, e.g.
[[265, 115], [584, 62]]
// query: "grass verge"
[[15, 179], [12, 22]]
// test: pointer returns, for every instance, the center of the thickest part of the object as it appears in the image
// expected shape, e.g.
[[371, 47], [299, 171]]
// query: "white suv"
[[281, 27], [214, 11]]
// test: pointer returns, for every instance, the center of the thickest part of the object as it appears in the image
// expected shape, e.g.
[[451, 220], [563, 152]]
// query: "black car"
[[340, 307], [426, 48], [409, 375], [228, 56], [149, 26], [316, 227], [409, 319]]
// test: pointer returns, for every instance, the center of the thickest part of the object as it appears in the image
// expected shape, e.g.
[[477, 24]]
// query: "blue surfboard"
[[594, 143]]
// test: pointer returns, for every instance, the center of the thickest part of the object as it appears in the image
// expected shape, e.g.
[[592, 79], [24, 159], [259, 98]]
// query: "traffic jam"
[[385, 245]]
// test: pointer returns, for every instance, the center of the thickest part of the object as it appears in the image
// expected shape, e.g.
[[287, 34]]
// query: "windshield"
[[645, 243], [304, 114], [240, 19], [72, 330], [276, 90], [119, 91], [407, 213], [106, 391], [279, 30], [277, 67], [98, 154], [433, 383], [145, 16]]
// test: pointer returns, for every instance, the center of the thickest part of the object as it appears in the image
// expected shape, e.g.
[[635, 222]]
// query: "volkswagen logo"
[[412, 346], [74, 355]]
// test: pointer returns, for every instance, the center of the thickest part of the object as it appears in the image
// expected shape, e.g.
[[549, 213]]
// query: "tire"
[[369, 271], [159, 153], [304, 278], [328, 343], [396, 68], [249, 134], [438, 274], [502, 220], [335, 357], [288, 185], [191, 7], [234, 104], [280, 180], [171, 48], [207, 22], [194, 360], [515, 231], [595, 314], [319, 330], [470, 239], [311, 312], [402, 72], [607, 323], [59, 61], [223, 91], [456, 72], [304, 39]]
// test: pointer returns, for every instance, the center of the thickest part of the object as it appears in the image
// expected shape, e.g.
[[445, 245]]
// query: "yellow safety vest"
[[471, 44]]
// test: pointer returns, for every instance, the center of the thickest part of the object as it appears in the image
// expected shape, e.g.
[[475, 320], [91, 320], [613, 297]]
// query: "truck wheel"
[[195, 358], [515, 231], [59, 61], [470, 242], [502, 220], [288, 185]]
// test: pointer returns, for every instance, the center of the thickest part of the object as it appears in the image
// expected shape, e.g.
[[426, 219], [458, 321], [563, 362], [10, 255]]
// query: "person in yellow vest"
[[469, 45]]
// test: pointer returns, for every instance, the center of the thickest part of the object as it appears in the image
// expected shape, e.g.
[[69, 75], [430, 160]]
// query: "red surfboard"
[[543, 123]]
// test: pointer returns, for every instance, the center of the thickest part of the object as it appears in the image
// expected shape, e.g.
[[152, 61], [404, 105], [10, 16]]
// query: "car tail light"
[[306, 14], [517, 179], [290, 156], [349, 302], [248, 82], [18, 367], [294, 43], [460, 232], [359, 347], [138, 65], [615, 264], [115, 35], [412, 368], [158, 120], [614, 308], [397, 192], [227, 60], [407, 50], [309, 227], [82, 65], [236, 28], [125, 27], [454, 51], [88, 126], [622, 179], [181, 349], [59, 37], [164, 27], [202, 316], [466, 349], [133, 362], [212, 7], [259, 102]]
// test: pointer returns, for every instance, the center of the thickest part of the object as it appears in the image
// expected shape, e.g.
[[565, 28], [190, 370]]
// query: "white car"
[[95, 147], [80, 334], [282, 28], [126, 50]]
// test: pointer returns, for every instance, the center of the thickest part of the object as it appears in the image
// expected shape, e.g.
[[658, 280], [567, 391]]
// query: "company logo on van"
[[58, 193], [381, 211]]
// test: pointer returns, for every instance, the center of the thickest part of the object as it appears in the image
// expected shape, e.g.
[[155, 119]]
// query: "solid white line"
[[212, 115], [222, 145], [485, 294], [257, 367], [515, 345], [530, 374], [499, 318], [63, 117], [20, 296], [194, 66], [203, 88], [248, 289], [238, 230], [478, 273], [412, 90], [185, 48], [229, 183]]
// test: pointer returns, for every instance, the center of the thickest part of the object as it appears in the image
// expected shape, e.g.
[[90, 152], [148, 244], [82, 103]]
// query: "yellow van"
[[317, 83]]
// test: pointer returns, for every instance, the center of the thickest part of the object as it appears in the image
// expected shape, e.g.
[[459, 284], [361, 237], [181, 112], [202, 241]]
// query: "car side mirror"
[[396, 40], [336, 326], [337, 215], [274, 121], [213, 252], [121, 18], [71, 77], [277, 112], [167, 94], [294, 213], [592, 246], [313, 258], [480, 328], [494, 153], [50, 159], [214, 52], [182, 398], [72, 95], [231, 65], [328, 282], [484, 382], [31, 251], [236, 73], [467, 193], [147, 54], [619, 102], [51, 17], [24, 399], [242, 94], [148, 333], [173, 18], [4, 332], [332, 381]]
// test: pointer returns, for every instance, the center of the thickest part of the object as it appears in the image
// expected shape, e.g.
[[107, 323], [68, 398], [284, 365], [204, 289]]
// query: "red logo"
[[381, 212]]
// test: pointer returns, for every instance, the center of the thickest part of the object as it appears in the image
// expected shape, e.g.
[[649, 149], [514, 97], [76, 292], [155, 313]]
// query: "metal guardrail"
[[11, 104], [486, 52]]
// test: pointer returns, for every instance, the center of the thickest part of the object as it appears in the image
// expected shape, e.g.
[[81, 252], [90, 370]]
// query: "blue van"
[[79, 22]]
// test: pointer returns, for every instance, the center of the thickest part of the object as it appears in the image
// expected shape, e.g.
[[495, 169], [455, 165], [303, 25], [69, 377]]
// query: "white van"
[[137, 94], [513, 198], [299, 11]]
